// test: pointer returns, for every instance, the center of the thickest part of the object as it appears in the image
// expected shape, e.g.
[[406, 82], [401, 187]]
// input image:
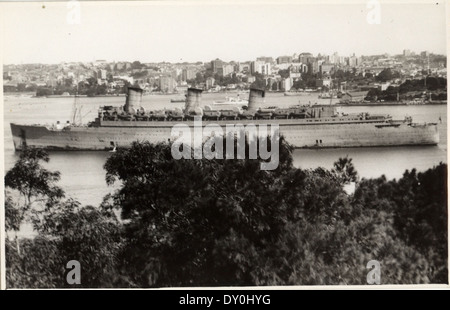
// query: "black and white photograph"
[[224, 144]]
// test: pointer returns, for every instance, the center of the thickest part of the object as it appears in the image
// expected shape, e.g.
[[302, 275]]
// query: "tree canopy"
[[226, 222]]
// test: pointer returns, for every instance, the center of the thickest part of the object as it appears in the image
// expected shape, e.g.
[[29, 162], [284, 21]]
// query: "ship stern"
[[19, 136]]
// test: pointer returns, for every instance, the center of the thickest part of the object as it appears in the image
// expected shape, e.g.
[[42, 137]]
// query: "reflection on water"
[[83, 176]]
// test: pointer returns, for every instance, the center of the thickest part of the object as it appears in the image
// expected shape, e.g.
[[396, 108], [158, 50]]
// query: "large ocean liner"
[[316, 126]]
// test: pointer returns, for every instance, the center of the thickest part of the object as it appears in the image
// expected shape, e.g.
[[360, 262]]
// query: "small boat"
[[416, 101], [177, 100], [233, 101], [327, 96], [295, 93]]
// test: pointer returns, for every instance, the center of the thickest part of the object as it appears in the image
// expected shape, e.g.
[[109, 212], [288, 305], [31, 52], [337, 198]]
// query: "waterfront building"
[[354, 96], [324, 82], [260, 67], [284, 60], [383, 86], [286, 84], [243, 67]]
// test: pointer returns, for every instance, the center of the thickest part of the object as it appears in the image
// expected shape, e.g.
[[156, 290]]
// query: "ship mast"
[[75, 105], [74, 108], [331, 91]]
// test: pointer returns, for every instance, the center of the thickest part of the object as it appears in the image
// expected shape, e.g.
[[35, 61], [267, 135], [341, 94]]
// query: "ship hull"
[[299, 134]]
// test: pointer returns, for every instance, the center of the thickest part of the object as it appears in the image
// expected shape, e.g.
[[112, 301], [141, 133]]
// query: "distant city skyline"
[[194, 31], [102, 60]]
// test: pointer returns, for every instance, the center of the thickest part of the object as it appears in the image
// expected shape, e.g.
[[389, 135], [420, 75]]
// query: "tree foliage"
[[66, 231], [387, 75], [34, 185], [222, 222], [225, 222], [345, 170]]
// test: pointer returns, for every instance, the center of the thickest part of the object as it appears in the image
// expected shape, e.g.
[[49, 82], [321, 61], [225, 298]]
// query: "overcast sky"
[[198, 31]]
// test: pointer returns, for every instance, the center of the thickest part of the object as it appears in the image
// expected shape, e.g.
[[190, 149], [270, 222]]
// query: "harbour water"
[[83, 176]]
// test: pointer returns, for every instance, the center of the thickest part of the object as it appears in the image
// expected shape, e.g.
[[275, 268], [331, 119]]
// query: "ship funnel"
[[193, 99], [134, 99], [256, 98]]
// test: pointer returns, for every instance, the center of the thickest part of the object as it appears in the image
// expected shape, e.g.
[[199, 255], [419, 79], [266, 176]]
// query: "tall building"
[[353, 61], [216, 64], [406, 53], [306, 58], [334, 59], [167, 84], [260, 67], [243, 66], [188, 74], [266, 69], [424, 54], [316, 66], [265, 59], [225, 70]]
